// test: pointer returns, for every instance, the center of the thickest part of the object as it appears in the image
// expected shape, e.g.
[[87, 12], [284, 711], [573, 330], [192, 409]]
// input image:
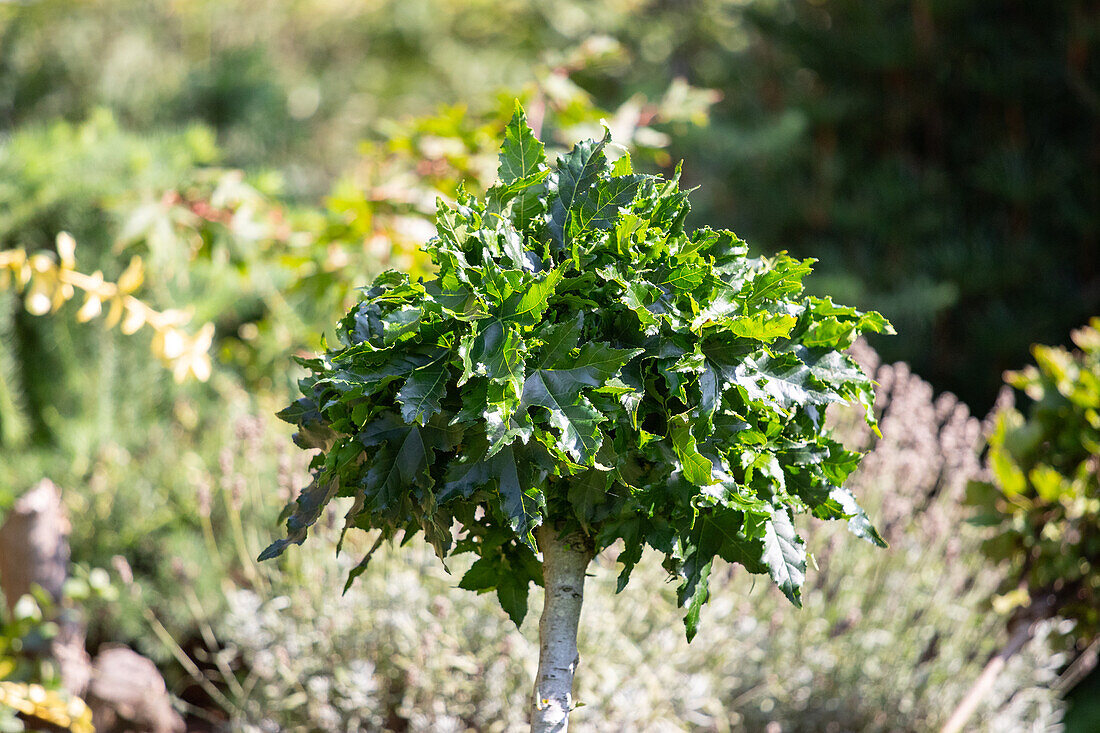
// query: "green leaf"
[[314, 431], [686, 278], [694, 591], [858, 523], [521, 154], [598, 205], [596, 363], [361, 566], [637, 295], [512, 595], [520, 201], [308, 508], [622, 165], [521, 501], [403, 460], [559, 391], [716, 371], [514, 249], [724, 532], [419, 397], [483, 575], [763, 326], [400, 324], [695, 467], [470, 471], [573, 415], [830, 333], [526, 308], [831, 367], [782, 280], [782, 381], [505, 364], [559, 339], [495, 351], [300, 410], [572, 176], [520, 495], [588, 493], [785, 555], [371, 373]]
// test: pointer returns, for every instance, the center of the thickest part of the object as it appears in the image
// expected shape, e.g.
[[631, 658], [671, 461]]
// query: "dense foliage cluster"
[[582, 359], [1045, 497]]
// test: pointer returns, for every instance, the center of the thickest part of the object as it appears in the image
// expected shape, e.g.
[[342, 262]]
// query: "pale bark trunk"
[[1041, 607], [984, 683], [564, 562]]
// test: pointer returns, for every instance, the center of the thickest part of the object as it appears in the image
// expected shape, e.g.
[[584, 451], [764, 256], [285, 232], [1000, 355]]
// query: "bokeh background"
[[249, 164]]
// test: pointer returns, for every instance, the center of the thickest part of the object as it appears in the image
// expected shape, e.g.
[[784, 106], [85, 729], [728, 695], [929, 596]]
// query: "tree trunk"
[[984, 683], [564, 561], [1040, 608]]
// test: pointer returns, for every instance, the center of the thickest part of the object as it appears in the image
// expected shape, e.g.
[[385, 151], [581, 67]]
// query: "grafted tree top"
[[583, 359]]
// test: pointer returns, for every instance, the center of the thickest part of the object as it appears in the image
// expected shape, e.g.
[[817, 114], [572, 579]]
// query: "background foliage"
[[973, 124], [1044, 498]]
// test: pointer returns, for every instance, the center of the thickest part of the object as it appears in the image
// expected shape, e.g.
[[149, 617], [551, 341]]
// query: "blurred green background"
[[941, 159]]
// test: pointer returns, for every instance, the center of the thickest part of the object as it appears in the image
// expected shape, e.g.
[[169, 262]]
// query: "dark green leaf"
[[588, 492], [311, 502], [559, 340], [403, 460], [694, 591], [512, 594], [419, 397], [520, 499], [724, 532], [361, 566], [483, 575]]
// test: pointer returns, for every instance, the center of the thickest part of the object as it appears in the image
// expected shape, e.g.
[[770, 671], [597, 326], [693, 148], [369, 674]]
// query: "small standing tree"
[[583, 370]]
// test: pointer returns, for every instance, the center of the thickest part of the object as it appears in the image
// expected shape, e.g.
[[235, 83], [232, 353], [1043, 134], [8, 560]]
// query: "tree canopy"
[[582, 360]]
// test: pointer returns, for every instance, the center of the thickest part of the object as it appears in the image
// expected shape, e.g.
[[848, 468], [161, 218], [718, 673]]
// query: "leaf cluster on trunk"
[[583, 359]]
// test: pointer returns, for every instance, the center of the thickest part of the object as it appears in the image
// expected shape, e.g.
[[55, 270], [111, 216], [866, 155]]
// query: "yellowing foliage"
[[48, 282], [49, 706]]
